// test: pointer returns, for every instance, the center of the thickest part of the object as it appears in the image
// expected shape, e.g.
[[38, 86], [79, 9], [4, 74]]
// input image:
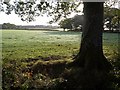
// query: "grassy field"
[[22, 49], [22, 44]]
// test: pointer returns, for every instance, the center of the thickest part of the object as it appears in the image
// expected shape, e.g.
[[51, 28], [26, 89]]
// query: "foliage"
[[30, 9], [77, 21], [111, 20], [9, 26], [72, 23], [66, 23], [112, 16]]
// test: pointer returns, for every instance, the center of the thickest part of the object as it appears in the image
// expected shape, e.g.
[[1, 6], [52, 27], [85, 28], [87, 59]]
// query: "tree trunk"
[[93, 66], [91, 55]]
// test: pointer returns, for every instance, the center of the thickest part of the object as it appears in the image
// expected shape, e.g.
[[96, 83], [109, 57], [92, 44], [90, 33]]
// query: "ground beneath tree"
[[50, 73]]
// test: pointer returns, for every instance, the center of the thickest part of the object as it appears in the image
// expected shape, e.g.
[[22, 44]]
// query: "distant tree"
[[8, 26], [72, 23], [112, 16], [77, 21], [66, 23]]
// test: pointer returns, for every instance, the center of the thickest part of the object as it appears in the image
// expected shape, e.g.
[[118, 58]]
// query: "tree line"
[[9, 26], [21, 27]]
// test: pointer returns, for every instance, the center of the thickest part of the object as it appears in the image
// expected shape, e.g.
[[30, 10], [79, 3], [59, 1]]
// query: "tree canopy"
[[28, 10], [77, 21], [112, 16], [66, 23], [72, 23]]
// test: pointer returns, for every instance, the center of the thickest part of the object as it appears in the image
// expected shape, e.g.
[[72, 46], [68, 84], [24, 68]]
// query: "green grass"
[[45, 52], [21, 44]]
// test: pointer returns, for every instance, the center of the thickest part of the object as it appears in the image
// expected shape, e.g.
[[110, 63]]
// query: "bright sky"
[[14, 19]]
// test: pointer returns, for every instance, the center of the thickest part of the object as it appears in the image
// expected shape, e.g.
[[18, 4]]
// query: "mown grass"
[[45, 53]]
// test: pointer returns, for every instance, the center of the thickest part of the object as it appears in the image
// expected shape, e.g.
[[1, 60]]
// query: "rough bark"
[[91, 54]]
